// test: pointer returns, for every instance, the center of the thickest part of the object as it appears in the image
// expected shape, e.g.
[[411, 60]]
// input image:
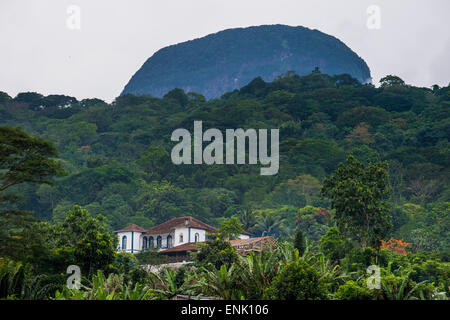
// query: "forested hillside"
[[118, 155]]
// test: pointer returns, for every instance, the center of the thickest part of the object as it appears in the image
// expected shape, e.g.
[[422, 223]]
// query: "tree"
[[351, 290], [297, 280], [23, 160], [307, 185], [313, 221], [269, 224], [360, 134], [332, 244], [230, 228], [397, 246], [217, 252], [155, 161], [248, 219], [160, 201], [391, 80], [82, 240], [255, 272], [359, 194], [300, 242]]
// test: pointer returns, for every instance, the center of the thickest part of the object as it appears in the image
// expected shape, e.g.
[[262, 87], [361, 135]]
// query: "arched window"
[[197, 237], [144, 243], [159, 242], [169, 241], [151, 243], [181, 238], [124, 243]]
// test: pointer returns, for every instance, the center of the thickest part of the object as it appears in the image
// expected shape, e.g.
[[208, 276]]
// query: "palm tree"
[[248, 218], [268, 224]]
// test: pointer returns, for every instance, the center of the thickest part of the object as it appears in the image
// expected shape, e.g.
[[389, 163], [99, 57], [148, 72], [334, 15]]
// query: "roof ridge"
[[176, 221], [131, 227]]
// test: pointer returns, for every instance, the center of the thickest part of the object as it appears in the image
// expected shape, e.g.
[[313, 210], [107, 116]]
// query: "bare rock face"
[[229, 59]]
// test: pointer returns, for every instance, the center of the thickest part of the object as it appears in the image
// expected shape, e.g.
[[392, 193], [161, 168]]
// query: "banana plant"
[[255, 272], [106, 288], [165, 283], [218, 283]]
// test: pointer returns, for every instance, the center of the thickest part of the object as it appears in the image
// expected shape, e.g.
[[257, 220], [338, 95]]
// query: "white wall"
[[176, 236], [189, 236], [136, 241], [138, 238], [178, 232], [155, 236], [201, 233]]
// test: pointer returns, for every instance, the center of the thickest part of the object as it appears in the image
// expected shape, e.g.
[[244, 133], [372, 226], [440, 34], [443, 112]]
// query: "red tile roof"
[[191, 246], [168, 226], [132, 227], [240, 242]]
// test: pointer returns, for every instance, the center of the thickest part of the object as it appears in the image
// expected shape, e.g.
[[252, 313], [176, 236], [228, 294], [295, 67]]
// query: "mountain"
[[229, 59]]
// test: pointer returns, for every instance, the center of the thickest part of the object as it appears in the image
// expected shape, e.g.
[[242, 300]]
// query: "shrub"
[[217, 252], [297, 280], [353, 291]]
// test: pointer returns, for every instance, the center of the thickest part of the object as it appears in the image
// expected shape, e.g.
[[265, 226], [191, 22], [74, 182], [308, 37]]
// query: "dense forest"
[[111, 166]]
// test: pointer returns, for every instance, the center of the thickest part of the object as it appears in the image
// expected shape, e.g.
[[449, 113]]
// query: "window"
[[159, 242], [181, 238], [124, 243], [151, 243], [169, 241], [144, 243], [197, 237]]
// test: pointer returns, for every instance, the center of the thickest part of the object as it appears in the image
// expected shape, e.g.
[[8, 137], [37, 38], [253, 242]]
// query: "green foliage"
[[166, 283], [358, 193], [313, 221], [403, 288], [117, 157], [151, 256], [218, 282], [127, 264], [299, 242], [248, 219], [391, 80], [297, 281], [18, 282], [230, 228], [82, 240], [23, 160], [351, 290], [333, 245], [112, 287], [255, 273], [215, 253]]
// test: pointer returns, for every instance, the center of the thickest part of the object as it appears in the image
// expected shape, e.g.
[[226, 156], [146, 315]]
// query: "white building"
[[173, 233]]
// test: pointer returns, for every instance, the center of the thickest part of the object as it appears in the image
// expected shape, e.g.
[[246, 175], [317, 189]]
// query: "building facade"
[[173, 233]]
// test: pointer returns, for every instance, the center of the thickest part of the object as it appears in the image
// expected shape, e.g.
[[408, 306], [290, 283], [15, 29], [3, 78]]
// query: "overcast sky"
[[39, 52]]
